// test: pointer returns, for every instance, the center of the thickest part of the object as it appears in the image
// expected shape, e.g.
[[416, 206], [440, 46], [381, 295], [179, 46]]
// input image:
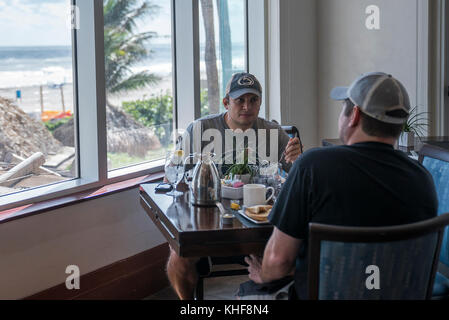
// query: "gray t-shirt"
[[261, 138]]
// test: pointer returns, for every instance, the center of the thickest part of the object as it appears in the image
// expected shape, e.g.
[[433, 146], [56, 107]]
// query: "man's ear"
[[355, 117], [226, 103]]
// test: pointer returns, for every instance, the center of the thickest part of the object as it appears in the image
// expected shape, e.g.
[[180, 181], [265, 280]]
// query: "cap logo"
[[246, 81]]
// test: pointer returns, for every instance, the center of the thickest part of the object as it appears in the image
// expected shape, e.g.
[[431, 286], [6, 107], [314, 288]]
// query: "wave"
[[58, 75], [47, 67], [45, 76]]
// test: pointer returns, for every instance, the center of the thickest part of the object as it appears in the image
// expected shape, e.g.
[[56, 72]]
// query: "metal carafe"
[[205, 187]]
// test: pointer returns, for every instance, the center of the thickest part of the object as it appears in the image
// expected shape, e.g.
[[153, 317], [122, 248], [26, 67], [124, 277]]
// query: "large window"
[[222, 49], [138, 74], [37, 145], [91, 91]]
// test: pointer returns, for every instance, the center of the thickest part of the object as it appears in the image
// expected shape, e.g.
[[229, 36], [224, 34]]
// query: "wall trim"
[[136, 277], [438, 38], [422, 55]]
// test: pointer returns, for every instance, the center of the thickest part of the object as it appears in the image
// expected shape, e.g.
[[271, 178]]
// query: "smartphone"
[[164, 187]]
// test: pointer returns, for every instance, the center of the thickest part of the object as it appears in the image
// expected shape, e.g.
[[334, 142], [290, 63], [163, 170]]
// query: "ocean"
[[52, 65]]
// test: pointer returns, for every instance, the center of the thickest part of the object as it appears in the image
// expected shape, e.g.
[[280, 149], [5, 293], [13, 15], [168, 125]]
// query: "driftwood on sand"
[[23, 169], [15, 159]]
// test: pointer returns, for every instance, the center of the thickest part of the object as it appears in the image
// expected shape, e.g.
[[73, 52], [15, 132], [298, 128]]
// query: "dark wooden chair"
[[406, 257], [436, 160]]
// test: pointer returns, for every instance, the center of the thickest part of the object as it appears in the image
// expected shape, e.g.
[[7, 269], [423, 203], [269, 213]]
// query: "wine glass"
[[174, 170], [269, 175]]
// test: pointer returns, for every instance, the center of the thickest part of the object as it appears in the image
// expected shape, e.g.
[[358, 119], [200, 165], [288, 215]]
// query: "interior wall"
[[346, 49], [293, 63], [36, 250], [315, 45]]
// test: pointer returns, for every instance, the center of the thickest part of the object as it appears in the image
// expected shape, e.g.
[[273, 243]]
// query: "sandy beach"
[[31, 102]]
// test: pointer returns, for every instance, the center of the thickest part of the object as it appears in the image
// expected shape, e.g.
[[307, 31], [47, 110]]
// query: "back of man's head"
[[383, 101], [374, 127]]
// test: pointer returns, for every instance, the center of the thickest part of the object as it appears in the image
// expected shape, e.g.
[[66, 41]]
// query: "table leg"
[[199, 289]]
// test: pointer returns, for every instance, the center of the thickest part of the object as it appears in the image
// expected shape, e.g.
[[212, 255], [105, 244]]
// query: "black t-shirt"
[[366, 184]]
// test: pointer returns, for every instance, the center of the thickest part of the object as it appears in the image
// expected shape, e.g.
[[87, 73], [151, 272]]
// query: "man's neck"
[[359, 137]]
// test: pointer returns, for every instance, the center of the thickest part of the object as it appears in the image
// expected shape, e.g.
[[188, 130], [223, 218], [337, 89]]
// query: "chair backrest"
[[436, 161], [345, 261]]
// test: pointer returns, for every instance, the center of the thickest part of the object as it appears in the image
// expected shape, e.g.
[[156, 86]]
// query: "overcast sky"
[[44, 22]]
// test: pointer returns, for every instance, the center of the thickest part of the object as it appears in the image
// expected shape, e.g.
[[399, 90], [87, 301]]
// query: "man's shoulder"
[[211, 117], [331, 157], [266, 124], [212, 120], [323, 154]]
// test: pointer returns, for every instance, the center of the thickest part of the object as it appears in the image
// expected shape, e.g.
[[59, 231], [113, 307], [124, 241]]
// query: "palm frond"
[[116, 11], [124, 47], [145, 10], [136, 81]]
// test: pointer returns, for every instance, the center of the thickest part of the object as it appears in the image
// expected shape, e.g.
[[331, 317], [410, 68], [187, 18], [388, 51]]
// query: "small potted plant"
[[242, 171], [414, 126]]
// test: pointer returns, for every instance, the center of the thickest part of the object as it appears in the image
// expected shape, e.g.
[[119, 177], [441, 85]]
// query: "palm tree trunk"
[[210, 58], [225, 42]]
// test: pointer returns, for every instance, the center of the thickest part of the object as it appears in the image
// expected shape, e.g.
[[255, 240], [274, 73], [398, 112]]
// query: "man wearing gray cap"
[[243, 98], [366, 182], [242, 102]]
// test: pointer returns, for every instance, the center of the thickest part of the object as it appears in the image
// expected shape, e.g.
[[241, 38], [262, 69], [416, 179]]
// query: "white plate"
[[242, 213]]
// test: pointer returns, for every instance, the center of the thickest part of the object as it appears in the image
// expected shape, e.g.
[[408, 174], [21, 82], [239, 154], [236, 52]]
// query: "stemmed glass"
[[174, 170], [269, 175]]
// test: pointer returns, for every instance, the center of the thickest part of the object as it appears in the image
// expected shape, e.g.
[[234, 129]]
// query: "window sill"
[[135, 171], [77, 197]]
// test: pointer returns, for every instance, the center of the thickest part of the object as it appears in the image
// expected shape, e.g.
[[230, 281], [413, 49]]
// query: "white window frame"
[[87, 100], [257, 42], [187, 62], [90, 94]]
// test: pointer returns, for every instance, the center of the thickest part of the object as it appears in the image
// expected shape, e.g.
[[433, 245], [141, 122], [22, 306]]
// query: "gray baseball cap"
[[378, 95], [243, 83]]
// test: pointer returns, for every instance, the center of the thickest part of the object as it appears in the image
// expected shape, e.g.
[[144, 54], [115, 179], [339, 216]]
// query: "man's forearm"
[[274, 266], [278, 259], [274, 271]]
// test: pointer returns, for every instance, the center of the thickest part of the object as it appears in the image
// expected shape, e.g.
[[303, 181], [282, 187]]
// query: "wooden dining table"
[[194, 231]]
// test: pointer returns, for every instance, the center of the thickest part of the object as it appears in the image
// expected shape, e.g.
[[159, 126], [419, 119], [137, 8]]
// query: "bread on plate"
[[259, 213]]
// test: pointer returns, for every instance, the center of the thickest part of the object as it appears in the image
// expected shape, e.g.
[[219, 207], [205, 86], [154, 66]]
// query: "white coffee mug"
[[256, 194]]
